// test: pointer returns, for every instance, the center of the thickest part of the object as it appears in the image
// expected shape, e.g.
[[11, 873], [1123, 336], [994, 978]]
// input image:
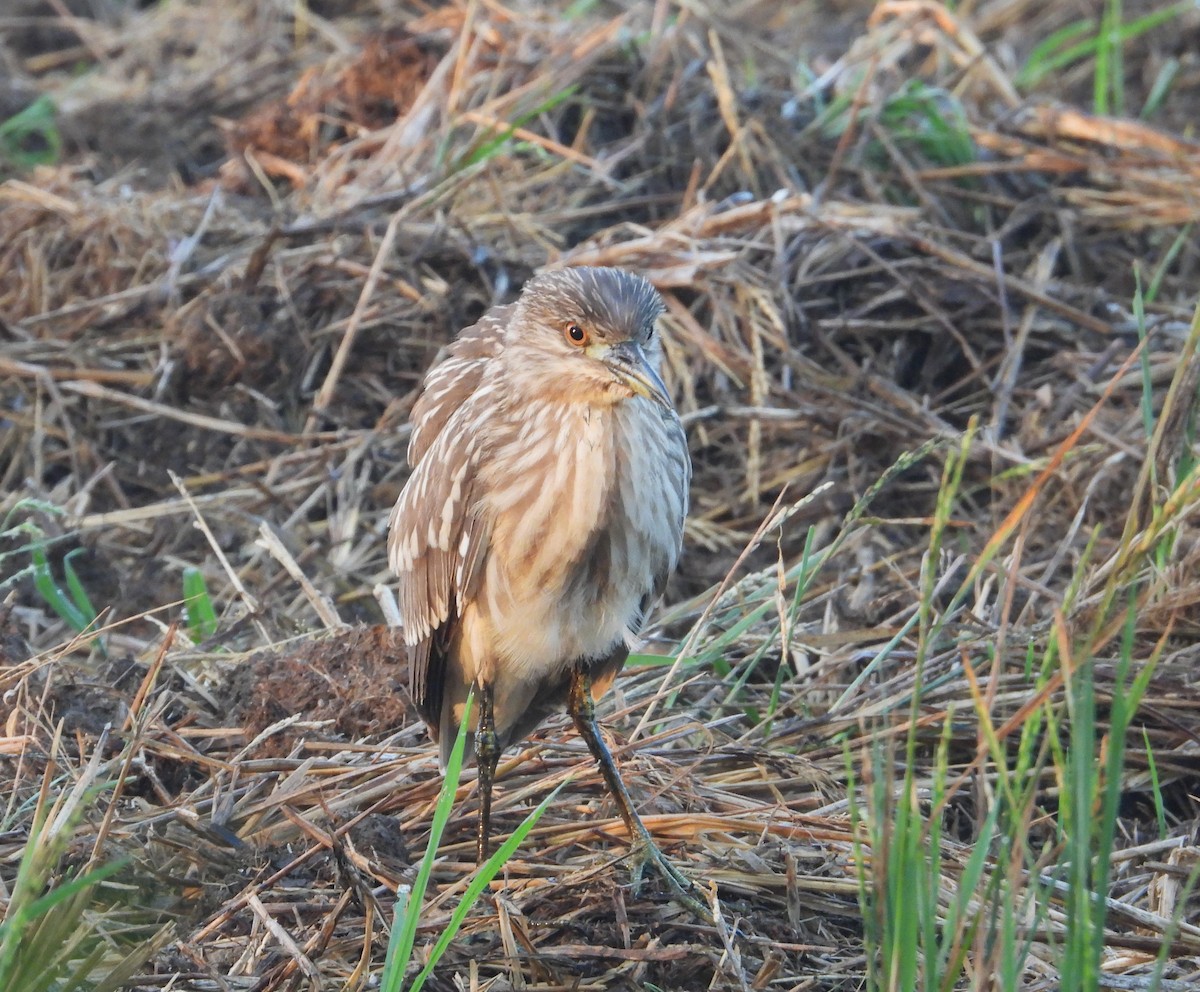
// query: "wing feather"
[[455, 374], [438, 535]]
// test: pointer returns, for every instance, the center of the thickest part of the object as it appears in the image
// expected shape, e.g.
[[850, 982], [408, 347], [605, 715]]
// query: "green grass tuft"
[[409, 906]]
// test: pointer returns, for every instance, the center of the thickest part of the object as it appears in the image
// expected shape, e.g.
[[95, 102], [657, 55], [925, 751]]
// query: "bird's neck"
[[573, 393]]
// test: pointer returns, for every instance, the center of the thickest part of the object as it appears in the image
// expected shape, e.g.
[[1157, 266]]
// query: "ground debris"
[[913, 237]]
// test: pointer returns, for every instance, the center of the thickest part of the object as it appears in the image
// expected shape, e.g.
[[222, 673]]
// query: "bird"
[[541, 520]]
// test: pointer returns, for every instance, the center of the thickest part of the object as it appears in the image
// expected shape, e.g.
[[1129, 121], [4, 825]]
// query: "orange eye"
[[576, 334]]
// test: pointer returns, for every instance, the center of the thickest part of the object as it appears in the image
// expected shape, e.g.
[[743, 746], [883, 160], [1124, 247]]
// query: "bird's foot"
[[645, 854]]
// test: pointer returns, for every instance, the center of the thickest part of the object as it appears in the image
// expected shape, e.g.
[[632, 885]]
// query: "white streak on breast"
[[534, 600]]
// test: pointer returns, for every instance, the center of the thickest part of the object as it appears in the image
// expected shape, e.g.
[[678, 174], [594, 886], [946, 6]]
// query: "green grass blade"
[[1160, 271], [494, 144], [75, 587], [197, 605], [65, 891], [483, 878], [1108, 60], [56, 599], [31, 137], [404, 930], [960, 926], [1055, 51], [1160, 811], [1147, 403], [1164, 79]]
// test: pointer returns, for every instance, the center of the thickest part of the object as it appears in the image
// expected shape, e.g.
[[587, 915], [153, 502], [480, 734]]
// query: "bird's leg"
[[487, 756], [645, 852]]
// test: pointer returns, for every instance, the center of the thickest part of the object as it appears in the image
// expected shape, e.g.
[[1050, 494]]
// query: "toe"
[[683, 890]]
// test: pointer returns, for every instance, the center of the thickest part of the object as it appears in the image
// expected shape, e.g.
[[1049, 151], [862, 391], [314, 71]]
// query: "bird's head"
[[588, 334]]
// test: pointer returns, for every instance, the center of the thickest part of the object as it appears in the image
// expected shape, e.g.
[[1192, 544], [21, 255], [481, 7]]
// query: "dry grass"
[[214, 313]]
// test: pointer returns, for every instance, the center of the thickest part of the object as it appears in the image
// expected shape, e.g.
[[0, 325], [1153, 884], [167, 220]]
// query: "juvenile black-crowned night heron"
[[544, 514]]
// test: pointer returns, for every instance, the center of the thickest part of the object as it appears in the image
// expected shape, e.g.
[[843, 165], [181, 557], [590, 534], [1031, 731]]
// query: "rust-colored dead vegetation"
[[215, 311]]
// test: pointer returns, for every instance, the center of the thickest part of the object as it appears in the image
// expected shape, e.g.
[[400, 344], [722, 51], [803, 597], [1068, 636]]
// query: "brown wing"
[[454, 376], [437, 534]]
